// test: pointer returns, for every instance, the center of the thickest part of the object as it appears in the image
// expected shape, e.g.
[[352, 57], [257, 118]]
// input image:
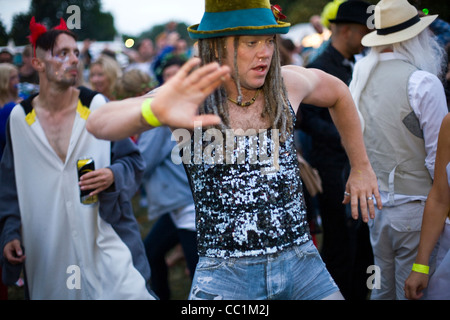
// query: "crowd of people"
[[385, 189]]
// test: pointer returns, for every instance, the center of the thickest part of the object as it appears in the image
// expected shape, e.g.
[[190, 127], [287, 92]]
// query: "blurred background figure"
[[290, 53], [143, 59], [134, 83], [103, 76], [346, 247], [169, 199], [26, 71], [169, 66], [6, 56], [28, 77], [9, 97]]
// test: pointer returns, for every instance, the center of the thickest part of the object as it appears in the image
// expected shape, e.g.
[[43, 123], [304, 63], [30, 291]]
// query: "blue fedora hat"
[[239, 17]]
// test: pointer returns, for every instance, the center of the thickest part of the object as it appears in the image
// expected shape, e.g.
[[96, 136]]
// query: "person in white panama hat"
[[253, 238], [401, 101]]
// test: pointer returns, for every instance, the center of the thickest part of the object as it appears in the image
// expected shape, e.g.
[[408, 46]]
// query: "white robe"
[[71, 252]]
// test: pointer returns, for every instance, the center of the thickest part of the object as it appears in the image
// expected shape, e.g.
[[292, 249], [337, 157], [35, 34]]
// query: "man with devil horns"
[[68, 250]]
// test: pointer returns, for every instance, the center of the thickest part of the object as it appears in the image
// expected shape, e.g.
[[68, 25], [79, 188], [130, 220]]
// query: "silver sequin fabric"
[[248, 207]]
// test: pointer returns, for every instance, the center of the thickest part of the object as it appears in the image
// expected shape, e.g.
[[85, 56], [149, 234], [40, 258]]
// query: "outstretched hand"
[[176, 103]]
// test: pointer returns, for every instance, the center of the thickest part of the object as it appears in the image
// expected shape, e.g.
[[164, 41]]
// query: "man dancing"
[[253, 237]]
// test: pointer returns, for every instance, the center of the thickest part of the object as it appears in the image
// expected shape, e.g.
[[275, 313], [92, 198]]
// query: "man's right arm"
[[175, 104]]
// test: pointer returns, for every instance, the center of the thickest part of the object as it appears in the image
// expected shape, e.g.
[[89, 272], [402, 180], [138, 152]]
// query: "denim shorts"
[[296, 273]]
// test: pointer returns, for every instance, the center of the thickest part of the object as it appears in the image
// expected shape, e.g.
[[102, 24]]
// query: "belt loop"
[[391, 186]]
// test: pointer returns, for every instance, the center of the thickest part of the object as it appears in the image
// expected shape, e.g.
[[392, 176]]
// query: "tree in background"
[[4, 37], [181, 28], [299, 11], [49, 12]]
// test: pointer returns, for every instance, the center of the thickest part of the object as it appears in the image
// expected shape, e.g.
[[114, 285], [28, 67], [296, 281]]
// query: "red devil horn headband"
[[38, 30], [62, 25]]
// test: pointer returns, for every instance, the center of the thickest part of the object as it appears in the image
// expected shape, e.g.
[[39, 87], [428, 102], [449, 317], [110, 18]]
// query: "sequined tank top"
[[248, 206]]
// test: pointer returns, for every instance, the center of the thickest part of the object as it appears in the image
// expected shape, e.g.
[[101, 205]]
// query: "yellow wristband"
[[421, 268], [148, 115]]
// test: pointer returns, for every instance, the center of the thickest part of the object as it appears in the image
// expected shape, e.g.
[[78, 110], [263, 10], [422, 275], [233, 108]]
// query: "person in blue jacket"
[[169, 199]]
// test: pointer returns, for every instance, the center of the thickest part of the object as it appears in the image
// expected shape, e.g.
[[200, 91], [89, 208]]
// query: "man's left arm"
[[324, 90]]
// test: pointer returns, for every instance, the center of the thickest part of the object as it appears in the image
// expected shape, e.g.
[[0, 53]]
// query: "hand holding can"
[[85, 166]]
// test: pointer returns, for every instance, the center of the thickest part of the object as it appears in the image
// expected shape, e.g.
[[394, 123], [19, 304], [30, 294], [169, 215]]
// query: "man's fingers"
[[354, 205], [187, 68], [209, 78], [363, 204], [215, 80], [191, 71], [378, 198], [371, 205], [13, 253], [366, 204]]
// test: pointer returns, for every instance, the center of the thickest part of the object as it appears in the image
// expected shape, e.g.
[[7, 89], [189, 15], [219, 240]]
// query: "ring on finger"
[[370, 198], [346, 194]]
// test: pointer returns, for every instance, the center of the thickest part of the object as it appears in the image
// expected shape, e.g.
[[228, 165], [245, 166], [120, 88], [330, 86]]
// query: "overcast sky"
[[131, 16]]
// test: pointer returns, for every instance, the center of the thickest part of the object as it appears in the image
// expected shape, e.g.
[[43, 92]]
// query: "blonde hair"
[[134, 83], [5, 74], [112, 71]]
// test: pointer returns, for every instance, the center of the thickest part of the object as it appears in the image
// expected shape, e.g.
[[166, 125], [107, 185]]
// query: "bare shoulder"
[[292, 73], [299, 81]]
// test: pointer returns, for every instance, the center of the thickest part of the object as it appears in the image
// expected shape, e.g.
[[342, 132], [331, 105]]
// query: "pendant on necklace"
[[246, 104]]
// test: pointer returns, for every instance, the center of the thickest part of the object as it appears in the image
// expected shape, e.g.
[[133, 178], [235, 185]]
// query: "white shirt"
[[71, 252], [448, 174]]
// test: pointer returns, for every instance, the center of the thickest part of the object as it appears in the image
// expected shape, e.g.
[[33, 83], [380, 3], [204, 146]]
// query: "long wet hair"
[[276, 104], [423, 51]]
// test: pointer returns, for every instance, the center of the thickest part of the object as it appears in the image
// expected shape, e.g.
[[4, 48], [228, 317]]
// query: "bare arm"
[[318, 88], [436, 210], [175, 104]]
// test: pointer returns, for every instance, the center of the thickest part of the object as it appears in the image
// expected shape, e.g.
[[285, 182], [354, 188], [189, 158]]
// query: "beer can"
[[84, 166]]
